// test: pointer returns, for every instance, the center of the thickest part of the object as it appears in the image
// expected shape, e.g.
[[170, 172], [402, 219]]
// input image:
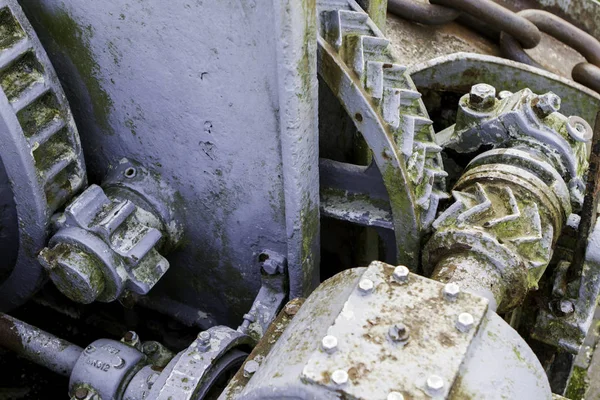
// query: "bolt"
[[566, 307], [398, 333], [291, 309], [130, 336], [546, 104], [395, 396], [400, 274], [329, 344], [482, 96], [365, 286], [435, 383], [465, 322], [250, 368], [271, 266], [339, 377], [204, 337], [451, 291], [150, 348], [579, 129], [81, 393]]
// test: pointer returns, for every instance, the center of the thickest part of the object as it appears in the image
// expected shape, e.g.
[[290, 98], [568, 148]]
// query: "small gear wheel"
[[41, 158]]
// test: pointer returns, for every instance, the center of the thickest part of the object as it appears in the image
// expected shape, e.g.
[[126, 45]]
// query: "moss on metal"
[[73, 40]]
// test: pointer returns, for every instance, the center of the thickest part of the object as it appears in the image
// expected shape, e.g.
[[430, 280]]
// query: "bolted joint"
[[250, 368], [203, 341], [398, 333], [482, 97], [546, 104], [465, 322]]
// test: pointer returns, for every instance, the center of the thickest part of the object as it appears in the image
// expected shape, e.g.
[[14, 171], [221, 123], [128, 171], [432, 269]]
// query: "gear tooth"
[[368, 54], [375, 78]]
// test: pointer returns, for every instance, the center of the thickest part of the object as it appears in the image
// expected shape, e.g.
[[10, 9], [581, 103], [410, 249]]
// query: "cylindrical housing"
[[38, 346]]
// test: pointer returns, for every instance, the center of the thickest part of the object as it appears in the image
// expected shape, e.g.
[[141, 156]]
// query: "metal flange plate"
[[369, 362]]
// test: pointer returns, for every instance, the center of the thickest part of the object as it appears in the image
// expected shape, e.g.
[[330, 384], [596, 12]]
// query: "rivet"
[[400, 274], [365, 286], [395, 396], [451, 291], [435, 383], [329, 344], [339, 377], [465, 322]]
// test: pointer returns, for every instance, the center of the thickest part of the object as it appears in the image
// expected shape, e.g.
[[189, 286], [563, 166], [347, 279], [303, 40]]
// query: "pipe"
[[38, 346]]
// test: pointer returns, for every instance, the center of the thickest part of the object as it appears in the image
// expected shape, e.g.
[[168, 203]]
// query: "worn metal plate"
[[375, 364]]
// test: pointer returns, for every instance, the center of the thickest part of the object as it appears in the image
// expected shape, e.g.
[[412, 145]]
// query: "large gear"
[[40, 148]]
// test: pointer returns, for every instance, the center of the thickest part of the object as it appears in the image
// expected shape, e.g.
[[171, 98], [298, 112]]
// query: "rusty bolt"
[[546, 104], [250, 368], [291, 309], [130, 336], [482, 96], [339, 377], [435, 383], [451, 291], [81, 393], [400, 274], [150, 348], [465, 322], [329, 344], [365, 286], [395, 396], [398, 333]]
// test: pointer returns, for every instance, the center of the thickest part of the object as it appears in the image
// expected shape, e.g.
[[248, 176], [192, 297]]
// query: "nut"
[[465, 322], [482, 96], [395, 396], [329, 344], [291, 309], [398, 333], [81, 393], [400, 274], [504, 94], [339, 377], [546, 104], [435, 383], [365, 286], [250, 368], [579, 129], [130, 337], [451, 291]]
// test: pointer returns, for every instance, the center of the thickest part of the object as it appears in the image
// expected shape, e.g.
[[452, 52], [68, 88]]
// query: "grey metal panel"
[[192, 90]]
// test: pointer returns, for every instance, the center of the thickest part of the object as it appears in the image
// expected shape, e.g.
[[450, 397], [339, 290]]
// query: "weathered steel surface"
[[222, 106]]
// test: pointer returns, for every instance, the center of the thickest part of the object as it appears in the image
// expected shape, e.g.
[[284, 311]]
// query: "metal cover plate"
[[374, 363]]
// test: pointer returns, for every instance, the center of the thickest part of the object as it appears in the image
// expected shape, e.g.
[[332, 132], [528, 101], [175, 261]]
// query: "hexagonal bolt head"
[[329, 344], [250, 368], [435, 383], [451, 291], [395, 396], [465, 322], [398, 333], [365, 286], [400, 274], [482, 97], [504, 94], [339, 377], [74, 272], [203, 342], [546, 104]]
